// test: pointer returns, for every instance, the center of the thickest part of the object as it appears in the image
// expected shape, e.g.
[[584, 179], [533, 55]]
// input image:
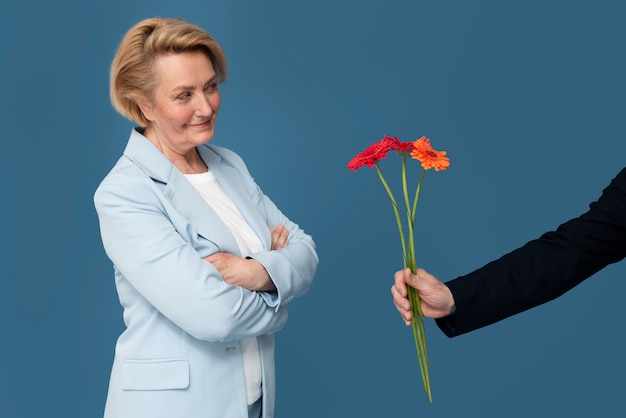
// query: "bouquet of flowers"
[[422, 151]]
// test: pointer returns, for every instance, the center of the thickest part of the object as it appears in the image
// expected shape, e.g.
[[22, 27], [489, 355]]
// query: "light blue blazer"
[[180, 355]]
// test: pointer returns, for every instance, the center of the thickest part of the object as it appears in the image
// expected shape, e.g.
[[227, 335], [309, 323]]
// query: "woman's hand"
[[436, 298], [244, 272], [247, 272], [279, 237]]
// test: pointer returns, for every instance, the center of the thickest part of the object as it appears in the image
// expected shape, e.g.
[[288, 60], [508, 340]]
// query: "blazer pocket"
[[155, 374]]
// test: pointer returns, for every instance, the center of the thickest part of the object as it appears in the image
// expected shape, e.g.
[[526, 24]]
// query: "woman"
[[205, 264]]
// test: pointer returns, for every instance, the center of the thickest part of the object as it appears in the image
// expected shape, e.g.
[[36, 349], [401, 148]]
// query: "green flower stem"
[[405, 190], [410, 219], [420, 340], [395, 209], [411, 255], [417, 324], [417, 193]]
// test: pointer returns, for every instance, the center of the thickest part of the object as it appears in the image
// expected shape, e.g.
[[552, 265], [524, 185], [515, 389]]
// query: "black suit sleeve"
[[542, 269]]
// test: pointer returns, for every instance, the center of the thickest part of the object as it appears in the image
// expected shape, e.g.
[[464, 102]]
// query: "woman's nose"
[[204, 106]]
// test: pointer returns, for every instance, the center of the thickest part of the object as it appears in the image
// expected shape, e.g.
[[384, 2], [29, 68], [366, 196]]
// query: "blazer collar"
[[143, 153]]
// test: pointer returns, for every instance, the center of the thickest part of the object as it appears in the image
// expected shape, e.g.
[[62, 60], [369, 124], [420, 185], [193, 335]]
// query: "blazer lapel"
[[181, 194], [230, 180], [188, 202]]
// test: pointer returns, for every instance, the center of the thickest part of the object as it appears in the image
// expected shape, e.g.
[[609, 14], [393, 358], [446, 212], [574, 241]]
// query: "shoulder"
[[619, 181], [610, 207], [614, 195], [125, 180]]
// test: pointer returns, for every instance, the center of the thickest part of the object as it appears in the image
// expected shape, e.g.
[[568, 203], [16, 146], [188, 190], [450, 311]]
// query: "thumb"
[[419, 280]]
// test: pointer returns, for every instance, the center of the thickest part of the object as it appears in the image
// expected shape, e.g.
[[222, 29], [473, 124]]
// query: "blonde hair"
[[132, 72]]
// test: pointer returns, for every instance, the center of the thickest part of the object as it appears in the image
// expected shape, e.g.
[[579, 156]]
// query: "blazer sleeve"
[[168, 272], [542, 269], [292, 268]]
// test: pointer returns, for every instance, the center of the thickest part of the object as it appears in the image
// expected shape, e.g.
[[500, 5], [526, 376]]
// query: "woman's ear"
[[145, 105]]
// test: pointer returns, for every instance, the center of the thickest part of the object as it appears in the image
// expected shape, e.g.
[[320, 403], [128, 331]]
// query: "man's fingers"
[[400, 279], [400, 301]]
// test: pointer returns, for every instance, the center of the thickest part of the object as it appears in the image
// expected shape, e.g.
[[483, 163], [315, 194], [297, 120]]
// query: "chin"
[[202, 137], [207, 138]]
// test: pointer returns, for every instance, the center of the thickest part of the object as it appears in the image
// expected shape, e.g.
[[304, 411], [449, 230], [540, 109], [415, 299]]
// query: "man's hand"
[[435, 297]]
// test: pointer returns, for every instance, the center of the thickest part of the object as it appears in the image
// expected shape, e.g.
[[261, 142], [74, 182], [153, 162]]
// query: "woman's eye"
[[184, 96]]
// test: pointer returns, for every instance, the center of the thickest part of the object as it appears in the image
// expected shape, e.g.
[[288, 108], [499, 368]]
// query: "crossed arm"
[[248, 272]]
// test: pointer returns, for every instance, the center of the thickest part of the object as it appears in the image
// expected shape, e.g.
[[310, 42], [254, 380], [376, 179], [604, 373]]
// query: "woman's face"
[[184, 104]]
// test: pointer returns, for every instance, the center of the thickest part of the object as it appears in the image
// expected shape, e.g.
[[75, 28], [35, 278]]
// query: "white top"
[[211, 191]]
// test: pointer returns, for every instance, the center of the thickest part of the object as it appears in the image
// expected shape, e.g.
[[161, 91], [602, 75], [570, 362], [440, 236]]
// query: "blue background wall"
[[527, 98]]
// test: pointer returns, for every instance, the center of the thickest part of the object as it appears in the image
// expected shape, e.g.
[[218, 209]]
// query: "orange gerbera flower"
[[429, 157]]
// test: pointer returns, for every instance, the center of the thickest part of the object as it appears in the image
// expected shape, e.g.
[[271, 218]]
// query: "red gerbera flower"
[[403, 147], [374, 153]]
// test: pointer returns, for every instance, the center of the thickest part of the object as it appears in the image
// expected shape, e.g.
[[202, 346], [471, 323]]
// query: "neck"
[[189, 163], [186, 161]]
